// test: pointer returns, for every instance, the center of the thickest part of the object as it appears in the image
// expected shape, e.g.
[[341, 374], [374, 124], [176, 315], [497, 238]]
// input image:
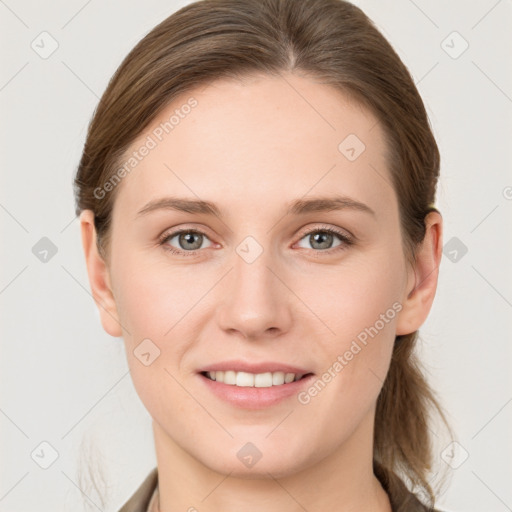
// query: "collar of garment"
[[145, 498]]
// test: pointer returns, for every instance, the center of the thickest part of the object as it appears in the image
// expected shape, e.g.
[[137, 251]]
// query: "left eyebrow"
[[297, 207], [327, 204]]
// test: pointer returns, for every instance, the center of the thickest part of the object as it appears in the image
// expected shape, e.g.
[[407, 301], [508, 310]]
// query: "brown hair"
[[330, 40]]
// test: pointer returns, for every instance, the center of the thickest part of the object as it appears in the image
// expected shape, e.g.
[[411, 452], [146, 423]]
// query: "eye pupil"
[[186, 238], [323, 238]]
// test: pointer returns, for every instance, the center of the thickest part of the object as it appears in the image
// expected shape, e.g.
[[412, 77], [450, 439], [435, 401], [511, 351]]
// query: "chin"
[[239, 464]]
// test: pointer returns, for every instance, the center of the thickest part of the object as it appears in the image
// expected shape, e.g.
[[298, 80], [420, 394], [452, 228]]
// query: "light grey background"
[[64, 381]]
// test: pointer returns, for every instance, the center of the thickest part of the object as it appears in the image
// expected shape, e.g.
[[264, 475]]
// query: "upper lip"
[[261, 367]]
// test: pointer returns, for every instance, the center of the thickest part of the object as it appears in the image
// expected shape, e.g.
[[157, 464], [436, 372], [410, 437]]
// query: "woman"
[[256, 202]]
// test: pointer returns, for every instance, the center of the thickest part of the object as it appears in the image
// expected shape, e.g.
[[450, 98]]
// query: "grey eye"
[[321, 240]]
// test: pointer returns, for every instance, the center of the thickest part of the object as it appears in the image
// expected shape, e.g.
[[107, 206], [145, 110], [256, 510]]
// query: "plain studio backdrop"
[[67, 400]]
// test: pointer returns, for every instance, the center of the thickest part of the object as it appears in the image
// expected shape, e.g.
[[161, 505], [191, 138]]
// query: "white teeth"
[[289, 378], [263, 380], [244, 379], [229, 377], [277, 378], [258, 380]]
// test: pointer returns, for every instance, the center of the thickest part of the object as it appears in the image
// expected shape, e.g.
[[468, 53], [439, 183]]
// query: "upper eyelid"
[[326, 227]]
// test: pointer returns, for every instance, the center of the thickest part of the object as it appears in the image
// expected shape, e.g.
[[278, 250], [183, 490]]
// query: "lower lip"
[[255, 398]]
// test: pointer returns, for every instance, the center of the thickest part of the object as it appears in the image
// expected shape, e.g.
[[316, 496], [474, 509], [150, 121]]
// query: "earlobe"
[[99, 277], [422, 280]]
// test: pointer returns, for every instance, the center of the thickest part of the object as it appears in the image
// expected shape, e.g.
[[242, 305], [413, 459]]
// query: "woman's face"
[[262, 287]]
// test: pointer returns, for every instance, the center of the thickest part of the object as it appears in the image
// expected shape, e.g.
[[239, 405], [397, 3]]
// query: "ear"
[[422, 281], [99, 276]]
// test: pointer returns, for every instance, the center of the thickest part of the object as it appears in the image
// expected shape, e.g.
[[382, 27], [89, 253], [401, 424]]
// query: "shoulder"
[[139, 501]]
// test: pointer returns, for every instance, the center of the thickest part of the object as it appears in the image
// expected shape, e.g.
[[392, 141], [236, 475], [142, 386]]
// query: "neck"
[[344, 481]]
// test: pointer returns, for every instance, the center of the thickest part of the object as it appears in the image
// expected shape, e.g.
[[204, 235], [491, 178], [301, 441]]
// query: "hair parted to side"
[[335, 43]]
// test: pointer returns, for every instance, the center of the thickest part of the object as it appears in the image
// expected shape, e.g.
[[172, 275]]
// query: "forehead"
[[258, 141]]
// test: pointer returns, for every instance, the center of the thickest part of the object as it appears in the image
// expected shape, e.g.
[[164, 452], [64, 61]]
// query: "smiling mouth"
[[254, 380]]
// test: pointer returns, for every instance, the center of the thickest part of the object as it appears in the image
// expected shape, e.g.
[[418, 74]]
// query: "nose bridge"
[[255, 301], [251, 268]]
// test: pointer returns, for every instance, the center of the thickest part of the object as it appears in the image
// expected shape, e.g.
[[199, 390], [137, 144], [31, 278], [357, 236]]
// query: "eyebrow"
[[297, 207]]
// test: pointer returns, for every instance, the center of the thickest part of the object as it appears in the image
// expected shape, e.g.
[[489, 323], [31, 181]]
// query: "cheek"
[[360, 305], [161, 307], [153, 299], [155, 311], [354, 296]]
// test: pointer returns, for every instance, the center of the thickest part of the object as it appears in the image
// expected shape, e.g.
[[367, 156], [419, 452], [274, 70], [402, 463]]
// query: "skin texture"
[[252, 147]]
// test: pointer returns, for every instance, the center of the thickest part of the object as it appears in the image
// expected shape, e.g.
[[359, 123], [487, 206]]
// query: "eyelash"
[[346, 241]]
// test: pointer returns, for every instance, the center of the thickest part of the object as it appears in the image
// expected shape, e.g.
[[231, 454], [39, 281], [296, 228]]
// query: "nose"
[[256, 302]]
